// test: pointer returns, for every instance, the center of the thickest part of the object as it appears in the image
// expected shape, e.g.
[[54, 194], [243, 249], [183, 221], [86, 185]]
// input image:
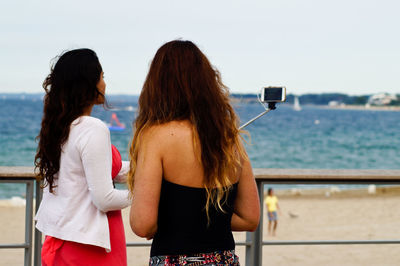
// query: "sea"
[[313, 138]]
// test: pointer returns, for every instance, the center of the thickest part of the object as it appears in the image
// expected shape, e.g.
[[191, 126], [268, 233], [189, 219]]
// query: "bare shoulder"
[[167, 133]]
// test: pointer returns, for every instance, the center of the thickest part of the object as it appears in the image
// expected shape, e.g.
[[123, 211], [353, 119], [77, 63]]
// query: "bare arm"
[[246, 214], [147, 188]]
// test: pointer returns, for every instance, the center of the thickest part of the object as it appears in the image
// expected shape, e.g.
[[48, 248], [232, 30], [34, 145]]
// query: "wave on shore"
[[13, 202]]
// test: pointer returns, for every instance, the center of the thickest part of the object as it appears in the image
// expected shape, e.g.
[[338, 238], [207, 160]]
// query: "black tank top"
[[182, 222]]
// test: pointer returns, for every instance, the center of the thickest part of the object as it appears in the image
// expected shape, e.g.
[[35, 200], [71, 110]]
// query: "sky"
[[308, 46]]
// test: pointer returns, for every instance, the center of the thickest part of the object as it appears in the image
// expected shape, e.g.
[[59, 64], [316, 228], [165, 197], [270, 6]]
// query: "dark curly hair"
[[71, 87]]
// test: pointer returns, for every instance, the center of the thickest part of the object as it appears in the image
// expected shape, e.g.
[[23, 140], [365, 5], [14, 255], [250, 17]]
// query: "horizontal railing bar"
[[266, 174], [138, 244], [326, 174], [331, 242], [14, 246], [147, 244], [15, 180], [243, 243], [17, 171], [331, 181]]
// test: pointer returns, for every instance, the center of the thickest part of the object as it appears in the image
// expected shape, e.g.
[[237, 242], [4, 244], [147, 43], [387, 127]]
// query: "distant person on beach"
[[80, 211], [272, 207], [190, 175]]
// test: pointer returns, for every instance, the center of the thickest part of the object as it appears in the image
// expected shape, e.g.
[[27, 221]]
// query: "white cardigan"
[[84, 191]]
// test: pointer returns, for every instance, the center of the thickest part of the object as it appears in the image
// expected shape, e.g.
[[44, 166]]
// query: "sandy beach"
[[310, 215]]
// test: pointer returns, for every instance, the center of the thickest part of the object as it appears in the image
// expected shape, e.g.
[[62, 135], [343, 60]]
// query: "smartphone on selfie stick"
[[270, 96]]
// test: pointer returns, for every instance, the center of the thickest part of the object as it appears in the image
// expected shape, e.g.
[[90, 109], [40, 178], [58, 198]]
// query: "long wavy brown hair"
[[71, 87], [182, 84]]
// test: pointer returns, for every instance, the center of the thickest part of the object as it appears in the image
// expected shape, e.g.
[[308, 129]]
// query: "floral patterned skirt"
[[226, 257]]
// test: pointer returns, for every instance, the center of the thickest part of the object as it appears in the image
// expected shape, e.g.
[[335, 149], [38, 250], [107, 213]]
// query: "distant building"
[[381, 99], [333, 103]]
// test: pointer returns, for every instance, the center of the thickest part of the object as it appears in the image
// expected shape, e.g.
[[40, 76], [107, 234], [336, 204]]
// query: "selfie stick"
[[271, 106]]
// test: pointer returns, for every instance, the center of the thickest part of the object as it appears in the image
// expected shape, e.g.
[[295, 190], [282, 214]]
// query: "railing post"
[[254, 250], [28, 222], [37, 260]]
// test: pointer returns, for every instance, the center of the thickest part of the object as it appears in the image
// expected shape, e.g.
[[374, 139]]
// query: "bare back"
[[180, 159]]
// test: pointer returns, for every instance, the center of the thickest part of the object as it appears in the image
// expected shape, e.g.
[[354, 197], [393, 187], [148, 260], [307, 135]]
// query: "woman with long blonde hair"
[[190, 176]]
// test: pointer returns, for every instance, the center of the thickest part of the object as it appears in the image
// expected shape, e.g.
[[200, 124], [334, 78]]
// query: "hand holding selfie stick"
[[270, 95]]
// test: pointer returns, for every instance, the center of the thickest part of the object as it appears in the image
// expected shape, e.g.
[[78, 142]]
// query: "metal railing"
[[25, 175], [313, 176], [254, 240]]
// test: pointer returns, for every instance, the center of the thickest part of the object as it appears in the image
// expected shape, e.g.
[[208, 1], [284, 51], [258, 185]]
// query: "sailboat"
[[296, 104], [118, 127]]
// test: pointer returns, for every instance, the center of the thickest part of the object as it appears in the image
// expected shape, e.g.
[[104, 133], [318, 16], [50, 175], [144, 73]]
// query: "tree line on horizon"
[[319, 99]]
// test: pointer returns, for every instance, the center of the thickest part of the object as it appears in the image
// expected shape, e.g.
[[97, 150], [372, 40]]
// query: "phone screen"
[[273, 94]]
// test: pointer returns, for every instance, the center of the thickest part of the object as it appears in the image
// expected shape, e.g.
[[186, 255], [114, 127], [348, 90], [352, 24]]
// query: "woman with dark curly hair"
[[80, 211], [190, 175]]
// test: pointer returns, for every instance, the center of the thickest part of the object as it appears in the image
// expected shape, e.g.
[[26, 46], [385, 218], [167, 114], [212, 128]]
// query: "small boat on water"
[[130, 108], [118, 125], [296, 104]]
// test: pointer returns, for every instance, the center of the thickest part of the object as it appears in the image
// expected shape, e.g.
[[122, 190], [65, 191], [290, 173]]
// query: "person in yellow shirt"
[[272, 207]]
